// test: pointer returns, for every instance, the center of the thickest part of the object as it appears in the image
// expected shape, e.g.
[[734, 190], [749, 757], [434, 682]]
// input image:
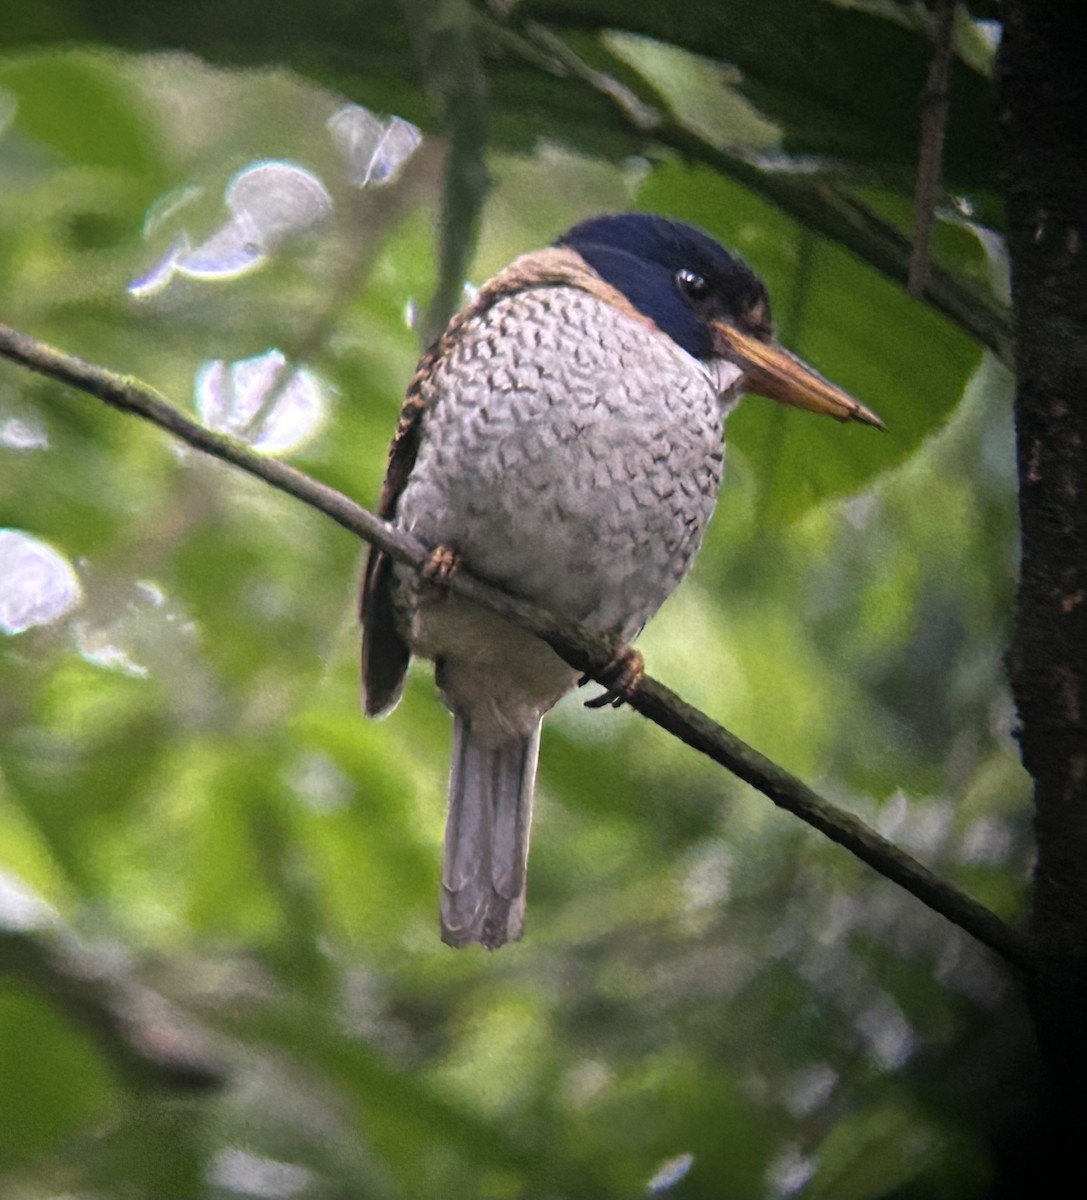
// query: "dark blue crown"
[[642, 255]]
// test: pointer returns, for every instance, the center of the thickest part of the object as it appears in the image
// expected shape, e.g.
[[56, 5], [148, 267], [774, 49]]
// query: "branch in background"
[[934, 105], [558, 55], [817, 204], [138, 1031], [586, 653]]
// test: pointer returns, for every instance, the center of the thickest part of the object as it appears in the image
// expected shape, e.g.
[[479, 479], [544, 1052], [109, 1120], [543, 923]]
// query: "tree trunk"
[[1043, 117]]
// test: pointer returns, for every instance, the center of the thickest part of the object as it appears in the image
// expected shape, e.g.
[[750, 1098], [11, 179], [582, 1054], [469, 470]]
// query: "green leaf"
[[51, 1078], [80, 107], [873, 1152], [701, 93]]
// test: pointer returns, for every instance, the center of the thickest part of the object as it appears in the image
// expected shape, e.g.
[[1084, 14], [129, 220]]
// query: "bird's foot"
[[622, 677], [436, 572]]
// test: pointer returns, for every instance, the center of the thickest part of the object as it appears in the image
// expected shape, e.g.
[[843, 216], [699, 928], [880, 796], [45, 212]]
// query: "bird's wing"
[[385, 653]]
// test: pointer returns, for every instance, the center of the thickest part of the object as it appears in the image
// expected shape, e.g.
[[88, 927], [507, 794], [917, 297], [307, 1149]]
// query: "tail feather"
[[486, 837]]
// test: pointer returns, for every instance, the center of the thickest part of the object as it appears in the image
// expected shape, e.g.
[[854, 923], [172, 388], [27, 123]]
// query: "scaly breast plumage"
[[571, 454]]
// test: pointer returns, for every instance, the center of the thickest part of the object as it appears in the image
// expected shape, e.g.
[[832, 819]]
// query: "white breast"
[[572, 455]]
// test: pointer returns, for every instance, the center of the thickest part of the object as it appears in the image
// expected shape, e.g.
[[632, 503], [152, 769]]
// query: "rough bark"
[[1043, 117]]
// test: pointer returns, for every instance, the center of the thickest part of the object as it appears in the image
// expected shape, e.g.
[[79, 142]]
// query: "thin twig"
[[638, 113], [582, 650], [934, 105]]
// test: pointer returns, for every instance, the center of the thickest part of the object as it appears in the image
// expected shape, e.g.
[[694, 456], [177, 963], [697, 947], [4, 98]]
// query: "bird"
[[562, 439]]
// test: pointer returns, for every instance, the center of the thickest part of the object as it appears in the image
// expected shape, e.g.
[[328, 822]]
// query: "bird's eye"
[[692, 285]]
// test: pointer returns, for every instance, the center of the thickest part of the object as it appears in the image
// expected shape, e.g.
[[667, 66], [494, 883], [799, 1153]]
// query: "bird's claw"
[[439, 568], [621, 677]]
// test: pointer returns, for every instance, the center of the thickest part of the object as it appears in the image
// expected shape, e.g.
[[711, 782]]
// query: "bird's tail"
[[486, 837]]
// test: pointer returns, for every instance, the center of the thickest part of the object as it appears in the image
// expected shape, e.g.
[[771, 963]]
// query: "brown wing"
[[385, 653]]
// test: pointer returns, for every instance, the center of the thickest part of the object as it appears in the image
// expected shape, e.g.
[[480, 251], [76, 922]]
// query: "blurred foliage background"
[[222, 975]]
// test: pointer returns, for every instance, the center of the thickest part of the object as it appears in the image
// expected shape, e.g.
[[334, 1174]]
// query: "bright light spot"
[[269, 202], [708, 879], [96, 648], [996, 259], [810, 1090], [411, 314], [791, 164], [277, 199], [319, 783], [258, 400], [929, 827], [987, 842], [669, 1173], [891, 1040], [16, 434], [252, 1175], [139, 634], [893, 814], [37, 584], [168, 206], [921, 826], [375, 150], [21, 908], [586, 1081], [152, 592], [861, 509], [162, 272], [234, 249], [990, 32], [789, 1172]]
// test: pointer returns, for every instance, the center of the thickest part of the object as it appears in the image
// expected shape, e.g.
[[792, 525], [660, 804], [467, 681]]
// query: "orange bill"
[[772, 371]]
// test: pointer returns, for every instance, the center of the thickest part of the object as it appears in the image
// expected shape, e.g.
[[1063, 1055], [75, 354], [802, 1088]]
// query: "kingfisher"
[[563, 439]]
